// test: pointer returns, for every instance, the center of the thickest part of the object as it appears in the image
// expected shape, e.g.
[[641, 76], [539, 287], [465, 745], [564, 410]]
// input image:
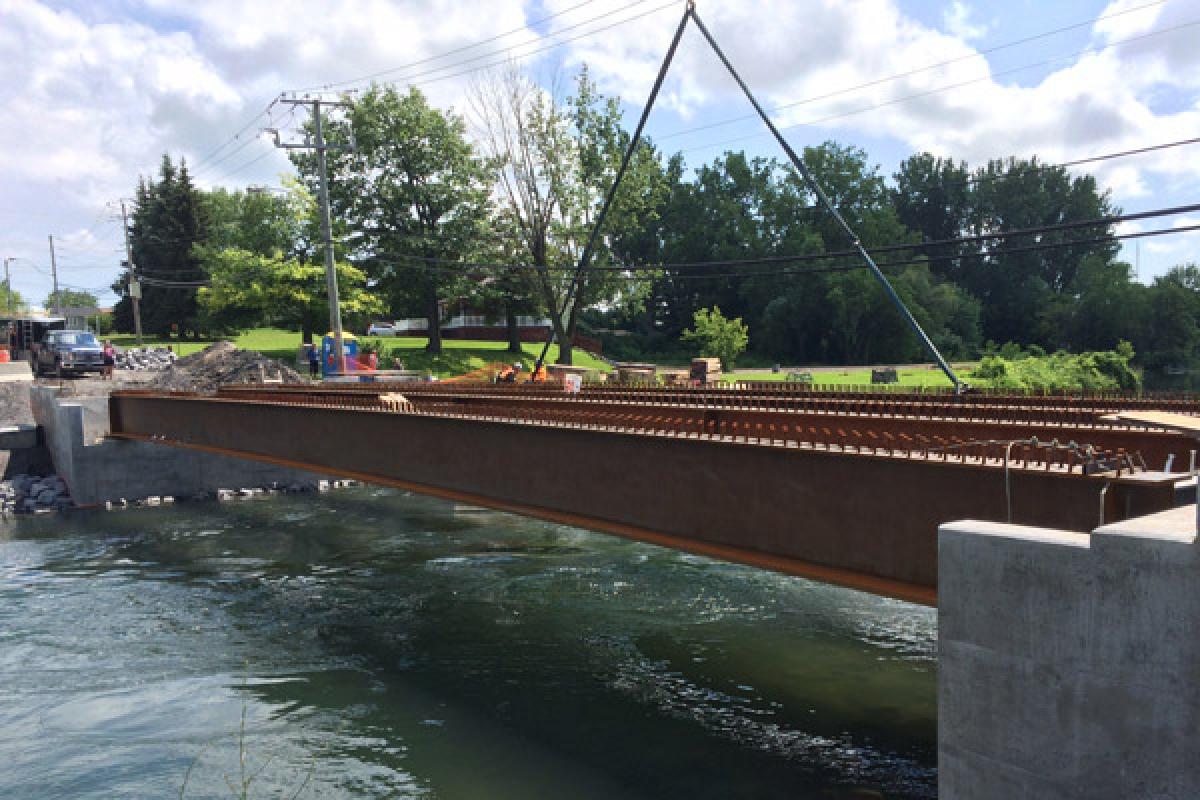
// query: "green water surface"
[[371, 643]]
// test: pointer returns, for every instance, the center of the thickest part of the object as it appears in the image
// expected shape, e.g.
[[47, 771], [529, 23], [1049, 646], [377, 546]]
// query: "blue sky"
[[96, 92]]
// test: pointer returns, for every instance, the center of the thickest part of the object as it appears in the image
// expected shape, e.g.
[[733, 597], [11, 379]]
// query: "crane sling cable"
[[807, 175]]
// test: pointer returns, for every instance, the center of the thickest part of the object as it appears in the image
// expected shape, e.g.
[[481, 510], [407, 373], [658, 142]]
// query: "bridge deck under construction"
[[845, 487]]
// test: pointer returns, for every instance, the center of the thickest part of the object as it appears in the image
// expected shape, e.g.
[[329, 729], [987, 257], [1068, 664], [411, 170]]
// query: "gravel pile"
[[219, 364], [28, 494], [145, 358]]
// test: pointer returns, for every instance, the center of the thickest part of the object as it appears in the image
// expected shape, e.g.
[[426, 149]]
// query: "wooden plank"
[[1184, 423]]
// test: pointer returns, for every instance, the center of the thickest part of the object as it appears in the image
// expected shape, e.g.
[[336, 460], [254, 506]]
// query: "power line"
[[154, 279], [821, 269], [455, 51], [204, 161], [917, 261], [948, 87], [1002, 176], [249, 124], [244, 167], [411, 79], [1123, 153], [889, 248], [266, 111], [232, 171], [817, 270], [917, 71], [206, 173]]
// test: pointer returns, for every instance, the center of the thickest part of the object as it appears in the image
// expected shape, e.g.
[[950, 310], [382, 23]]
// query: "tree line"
[[492, 208]]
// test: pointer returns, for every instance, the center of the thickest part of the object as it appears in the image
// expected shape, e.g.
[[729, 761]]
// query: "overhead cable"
[[949, 87], [825, 268], [888, 248], [916, 71], [815, 270], [538, 51], [455, 51]]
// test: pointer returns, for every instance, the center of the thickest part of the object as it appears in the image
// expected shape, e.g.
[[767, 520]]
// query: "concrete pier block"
[[1069, 664]]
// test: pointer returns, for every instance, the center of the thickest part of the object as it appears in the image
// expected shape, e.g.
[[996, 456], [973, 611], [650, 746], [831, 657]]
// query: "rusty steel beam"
[[861, 514], [906, 421], [1016, 407]]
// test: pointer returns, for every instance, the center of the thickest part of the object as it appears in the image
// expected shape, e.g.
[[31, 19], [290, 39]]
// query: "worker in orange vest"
[[539, 375], [509, 374]]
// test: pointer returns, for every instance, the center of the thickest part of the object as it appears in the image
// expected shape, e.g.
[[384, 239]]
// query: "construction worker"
[[509, 374], [539, 375]]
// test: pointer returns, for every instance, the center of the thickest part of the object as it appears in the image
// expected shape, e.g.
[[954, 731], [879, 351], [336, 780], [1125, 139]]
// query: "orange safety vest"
[[507, 374], [539, 376]]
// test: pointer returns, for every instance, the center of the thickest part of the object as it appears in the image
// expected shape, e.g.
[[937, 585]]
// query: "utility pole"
[[318, 144], [135, 288], [8, 286], [54, 278]]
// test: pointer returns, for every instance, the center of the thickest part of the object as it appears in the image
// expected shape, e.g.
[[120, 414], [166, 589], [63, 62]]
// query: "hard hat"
[[518, 365]]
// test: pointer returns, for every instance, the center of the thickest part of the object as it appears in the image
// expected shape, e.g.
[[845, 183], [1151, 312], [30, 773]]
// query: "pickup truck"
[[65, 352]]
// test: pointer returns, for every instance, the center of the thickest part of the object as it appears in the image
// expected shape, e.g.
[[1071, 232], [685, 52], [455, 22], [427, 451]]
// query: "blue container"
[[328, 348]]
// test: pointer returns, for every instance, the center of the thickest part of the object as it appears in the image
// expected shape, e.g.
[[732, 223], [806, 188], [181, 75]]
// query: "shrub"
[[1035, 371], [714, 335]]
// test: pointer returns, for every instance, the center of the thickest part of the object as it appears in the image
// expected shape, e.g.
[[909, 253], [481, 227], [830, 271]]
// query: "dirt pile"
[[219, 364]]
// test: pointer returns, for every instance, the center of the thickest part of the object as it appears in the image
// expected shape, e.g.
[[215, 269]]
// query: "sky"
[[94, 93]]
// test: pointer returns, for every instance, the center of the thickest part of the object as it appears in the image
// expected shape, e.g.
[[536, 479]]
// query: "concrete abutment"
[[97, 469], [1069, 664]]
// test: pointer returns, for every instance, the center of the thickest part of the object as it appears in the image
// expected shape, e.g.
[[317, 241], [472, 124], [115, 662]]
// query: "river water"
[[372, 643]]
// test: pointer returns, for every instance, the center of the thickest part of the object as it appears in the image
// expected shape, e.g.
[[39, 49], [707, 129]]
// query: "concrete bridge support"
[[97, 469], [1069, 666]]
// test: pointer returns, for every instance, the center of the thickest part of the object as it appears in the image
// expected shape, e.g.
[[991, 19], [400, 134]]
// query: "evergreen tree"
[[167, 224]]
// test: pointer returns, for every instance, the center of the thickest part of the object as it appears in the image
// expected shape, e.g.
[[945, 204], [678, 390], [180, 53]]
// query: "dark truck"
[[66, 352]]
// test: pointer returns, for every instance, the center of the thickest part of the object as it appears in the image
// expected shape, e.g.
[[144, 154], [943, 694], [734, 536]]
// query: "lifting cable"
[[586, 255], [574, 287]]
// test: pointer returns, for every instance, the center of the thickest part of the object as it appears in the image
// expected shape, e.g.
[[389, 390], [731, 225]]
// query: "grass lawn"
[[458, 356], [922, 377], [272, 342], [463, 355]]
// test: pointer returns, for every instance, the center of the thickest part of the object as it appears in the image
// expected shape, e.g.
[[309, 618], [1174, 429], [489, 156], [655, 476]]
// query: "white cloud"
[[957, 20], [1097, 102], [93, 97], [1181, 246], [79, 95]]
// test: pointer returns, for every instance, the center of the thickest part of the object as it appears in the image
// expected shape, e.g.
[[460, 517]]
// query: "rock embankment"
[[234, 494], [31, 494], [222, 363]]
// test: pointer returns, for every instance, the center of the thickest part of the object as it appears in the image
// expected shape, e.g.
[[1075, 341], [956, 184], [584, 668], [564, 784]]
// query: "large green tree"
[[251, 289], [410, 199], [1171, 337], [1017, 284], [11, 299], [260, 220], [933, 199], [556, 159], [70, 298]]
